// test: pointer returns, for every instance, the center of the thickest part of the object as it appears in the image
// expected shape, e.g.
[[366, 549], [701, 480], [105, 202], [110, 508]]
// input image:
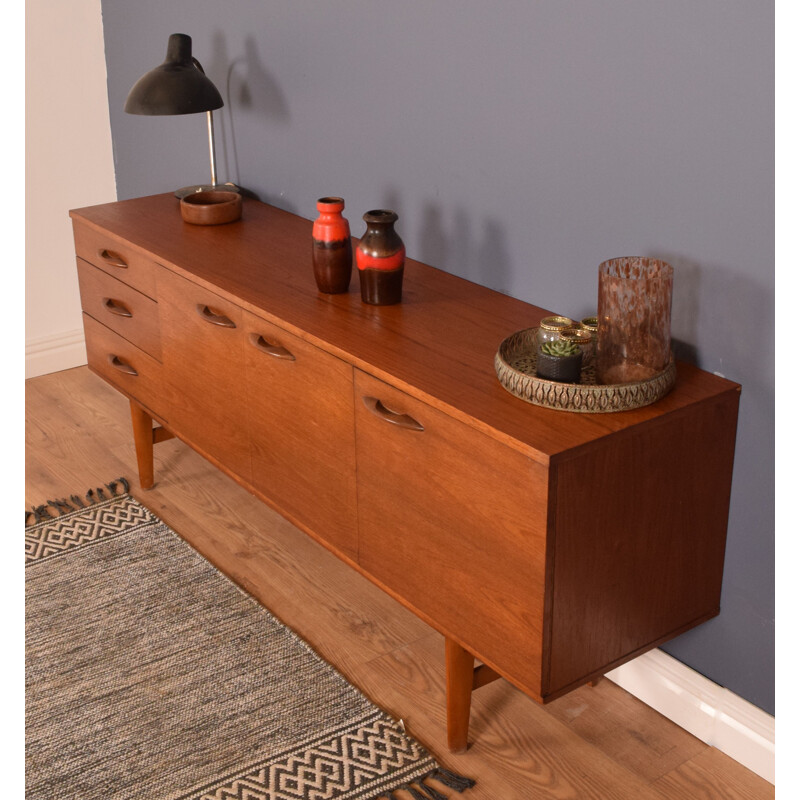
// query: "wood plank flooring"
[[597, 743]]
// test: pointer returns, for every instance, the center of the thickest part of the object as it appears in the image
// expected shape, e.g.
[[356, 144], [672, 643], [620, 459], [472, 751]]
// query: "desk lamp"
[[179, 86]]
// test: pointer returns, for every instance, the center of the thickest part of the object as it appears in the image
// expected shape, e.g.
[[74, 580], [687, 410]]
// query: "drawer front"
[[454, 523], [300, 402], [203, 356], [116, 257], [127, 312], [124, 365]]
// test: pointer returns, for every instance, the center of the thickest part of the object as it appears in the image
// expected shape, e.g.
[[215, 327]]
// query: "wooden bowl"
[[211, 208]]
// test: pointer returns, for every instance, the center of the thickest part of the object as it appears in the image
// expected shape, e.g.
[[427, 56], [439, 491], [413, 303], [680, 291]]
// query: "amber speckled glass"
[[634, 309]]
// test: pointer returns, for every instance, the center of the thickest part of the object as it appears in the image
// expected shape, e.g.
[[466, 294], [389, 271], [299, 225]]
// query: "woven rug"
[[150, 675]]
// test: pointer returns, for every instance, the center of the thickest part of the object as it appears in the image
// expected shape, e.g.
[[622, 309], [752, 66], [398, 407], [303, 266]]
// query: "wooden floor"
[[597, 742]]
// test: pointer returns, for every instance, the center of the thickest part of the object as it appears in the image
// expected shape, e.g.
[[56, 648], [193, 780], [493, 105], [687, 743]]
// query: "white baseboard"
[[706, 710], [54, 353]]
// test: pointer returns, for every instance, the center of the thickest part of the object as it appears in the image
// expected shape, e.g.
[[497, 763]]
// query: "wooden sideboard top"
[[438, 344]]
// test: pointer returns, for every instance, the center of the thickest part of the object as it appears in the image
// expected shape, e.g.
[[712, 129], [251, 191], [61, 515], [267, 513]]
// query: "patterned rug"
[[150, 675]]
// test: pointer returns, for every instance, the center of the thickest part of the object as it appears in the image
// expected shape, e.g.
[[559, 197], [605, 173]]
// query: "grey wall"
[[522, 142]]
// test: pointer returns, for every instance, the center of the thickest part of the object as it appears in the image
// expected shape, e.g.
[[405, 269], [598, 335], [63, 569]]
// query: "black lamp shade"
[[178, 86]]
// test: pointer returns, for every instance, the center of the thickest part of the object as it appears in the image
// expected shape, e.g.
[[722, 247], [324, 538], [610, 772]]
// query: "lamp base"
[[219, 187]]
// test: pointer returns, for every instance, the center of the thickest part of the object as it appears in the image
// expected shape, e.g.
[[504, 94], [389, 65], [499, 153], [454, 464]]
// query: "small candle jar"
[[550, 329], [585, 341], [590, 324]]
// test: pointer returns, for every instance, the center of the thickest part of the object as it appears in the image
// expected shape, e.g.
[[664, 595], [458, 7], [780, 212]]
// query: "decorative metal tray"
[[515, 364]]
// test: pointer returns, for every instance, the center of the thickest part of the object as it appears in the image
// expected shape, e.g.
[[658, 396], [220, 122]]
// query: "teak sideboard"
[[550, 546]]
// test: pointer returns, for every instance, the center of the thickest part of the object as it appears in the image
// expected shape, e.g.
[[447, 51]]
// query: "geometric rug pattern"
[[151, 675]]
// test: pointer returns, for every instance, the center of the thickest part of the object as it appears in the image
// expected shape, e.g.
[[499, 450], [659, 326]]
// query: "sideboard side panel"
[[640, 528]]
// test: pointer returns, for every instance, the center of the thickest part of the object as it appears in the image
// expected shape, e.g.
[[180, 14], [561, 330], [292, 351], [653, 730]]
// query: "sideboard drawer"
[[124, 365], [116, 257], [126, 311], [454, 523]]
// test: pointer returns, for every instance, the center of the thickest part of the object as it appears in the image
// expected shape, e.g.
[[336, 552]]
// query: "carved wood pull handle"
[[116, 307], [122, 366], [112, 259], [274, 350], [215, 319], [402, 420]]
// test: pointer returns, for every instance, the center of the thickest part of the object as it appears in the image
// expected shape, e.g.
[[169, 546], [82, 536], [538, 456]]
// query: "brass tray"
[[515, 365]]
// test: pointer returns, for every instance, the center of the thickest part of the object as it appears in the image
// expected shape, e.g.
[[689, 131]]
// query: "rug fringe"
[[431, 793], [451, 779], [65, 505], [424, 791]]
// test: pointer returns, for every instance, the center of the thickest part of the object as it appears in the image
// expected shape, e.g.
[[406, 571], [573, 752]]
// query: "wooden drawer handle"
[[403, 420], [274, 350], [122, 366], [215, 319], [112, 259], [116, 307]]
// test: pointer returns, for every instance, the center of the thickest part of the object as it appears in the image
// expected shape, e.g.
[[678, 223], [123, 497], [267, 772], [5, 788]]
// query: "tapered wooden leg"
[[460, 670], [143, 440]]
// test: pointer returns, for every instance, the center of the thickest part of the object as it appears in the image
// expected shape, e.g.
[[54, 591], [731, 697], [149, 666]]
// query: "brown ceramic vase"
[[332, 247], [380, 258]]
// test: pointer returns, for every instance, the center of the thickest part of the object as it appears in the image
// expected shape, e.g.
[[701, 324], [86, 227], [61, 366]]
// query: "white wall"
[[68, 164]]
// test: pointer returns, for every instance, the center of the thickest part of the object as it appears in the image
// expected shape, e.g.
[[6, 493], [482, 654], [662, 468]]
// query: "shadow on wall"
[[729, 319], [248, 87], [723, 311], [476, 252], [685, 306]]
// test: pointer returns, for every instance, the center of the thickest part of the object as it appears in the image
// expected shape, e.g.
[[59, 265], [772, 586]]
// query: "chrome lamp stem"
[[211, 148]]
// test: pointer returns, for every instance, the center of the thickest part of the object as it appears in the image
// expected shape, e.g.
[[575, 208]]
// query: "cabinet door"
[[202, 352], [303, 437], [454, 523]]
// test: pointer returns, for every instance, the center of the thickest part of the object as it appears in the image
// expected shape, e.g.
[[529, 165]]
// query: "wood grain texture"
[[459, 677], [708, 777], [142, 424], [455, 524], [604, 745], [117, 256], [204, 372], [552, 546], [640, 530], [135, 373], [626, 729], [438, 344], [300, 415], [118, 306], [538, 754]]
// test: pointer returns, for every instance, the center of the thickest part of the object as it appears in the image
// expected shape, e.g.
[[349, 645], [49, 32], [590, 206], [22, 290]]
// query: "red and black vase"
[[380, 258], [332, 247]]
